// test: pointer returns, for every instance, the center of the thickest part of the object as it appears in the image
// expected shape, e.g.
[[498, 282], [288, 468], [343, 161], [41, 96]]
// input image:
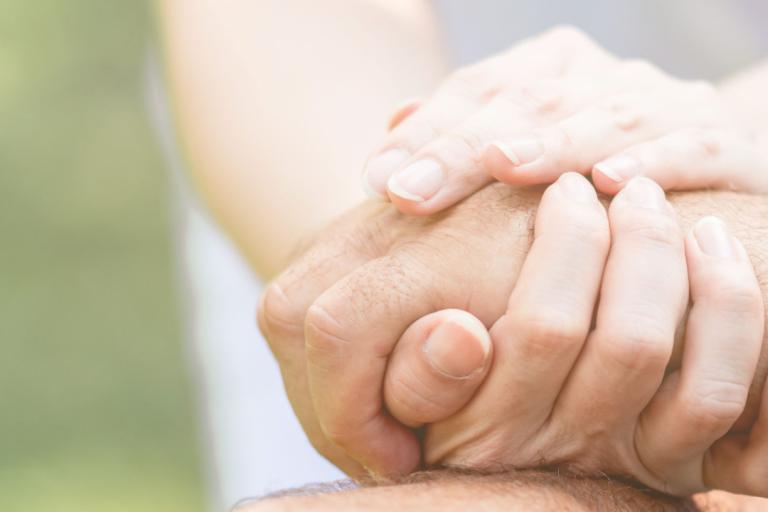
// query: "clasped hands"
[[526, 329]]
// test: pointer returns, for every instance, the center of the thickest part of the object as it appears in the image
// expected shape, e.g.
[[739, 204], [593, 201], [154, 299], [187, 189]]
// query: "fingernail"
[[456, 352], [417, 182], [577, 188], [521, 151], [644, 193], [379, 168], [714, 239], [619, 168]]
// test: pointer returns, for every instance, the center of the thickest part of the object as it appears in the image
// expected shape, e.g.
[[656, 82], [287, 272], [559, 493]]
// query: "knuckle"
[[477, 79], [421, 126], [277, 313], [639, 344], [562, 139], [462, 144], [325, 330], [539, 99], [343, 429], [705, 144], [590, 230], [730, 290], [624, 111], [662, 233], [742, 298], [544, 331], [715, 404]]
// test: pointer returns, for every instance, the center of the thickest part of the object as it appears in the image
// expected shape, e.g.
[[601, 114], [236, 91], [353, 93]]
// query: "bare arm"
[[278, 102], [507, 491]]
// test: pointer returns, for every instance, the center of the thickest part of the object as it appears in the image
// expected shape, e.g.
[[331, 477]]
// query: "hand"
[[559, 103], [597, 398], [363, 281]]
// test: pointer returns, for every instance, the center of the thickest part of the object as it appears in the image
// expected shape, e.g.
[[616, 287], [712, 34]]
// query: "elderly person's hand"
[[335, 316], [602, 398], [559, 103]]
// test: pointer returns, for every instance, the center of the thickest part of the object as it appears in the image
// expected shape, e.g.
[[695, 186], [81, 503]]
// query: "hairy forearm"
[[450, 490], [746, 92]]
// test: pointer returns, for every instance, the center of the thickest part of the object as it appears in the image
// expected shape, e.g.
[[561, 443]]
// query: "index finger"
[[550, 55], [353, 327]]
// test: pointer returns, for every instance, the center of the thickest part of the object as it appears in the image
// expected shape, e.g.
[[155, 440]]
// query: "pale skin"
[[262, 123], [389, 271], [230, 170], [595, 385], [559, 102]]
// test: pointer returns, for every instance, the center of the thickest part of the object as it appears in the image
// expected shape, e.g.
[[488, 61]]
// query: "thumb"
[[436, 367]]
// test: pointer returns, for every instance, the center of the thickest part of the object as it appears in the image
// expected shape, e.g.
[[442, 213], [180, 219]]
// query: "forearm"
[[445, 490], [746, 93], [278, 102]]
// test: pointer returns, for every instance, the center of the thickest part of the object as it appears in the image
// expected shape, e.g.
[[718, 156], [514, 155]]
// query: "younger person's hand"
[[559, 103], [335, 314], [603, 397]]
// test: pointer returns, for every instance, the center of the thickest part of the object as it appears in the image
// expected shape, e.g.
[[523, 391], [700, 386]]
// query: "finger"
[[722, 345], [643, 297], [353, 327], [580, 141], [349, 337], [447, 108], [537, 340], [449, 168], [403, 111], [551, 55], [282, 310], [687, 159], [436, 367], [742, 461]]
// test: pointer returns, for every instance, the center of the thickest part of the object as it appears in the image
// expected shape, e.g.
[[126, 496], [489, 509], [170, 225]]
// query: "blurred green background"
[[95, 405]]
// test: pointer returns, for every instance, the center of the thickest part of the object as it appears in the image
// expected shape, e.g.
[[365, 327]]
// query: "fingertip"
[[576, 187], [438, 364], [412, 187], [379, 168], [421, 188], [395, 454], [612, 174], [605, 181], [459, 346], [643, 193], [712, 237], [500, 162], [371, 192]]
